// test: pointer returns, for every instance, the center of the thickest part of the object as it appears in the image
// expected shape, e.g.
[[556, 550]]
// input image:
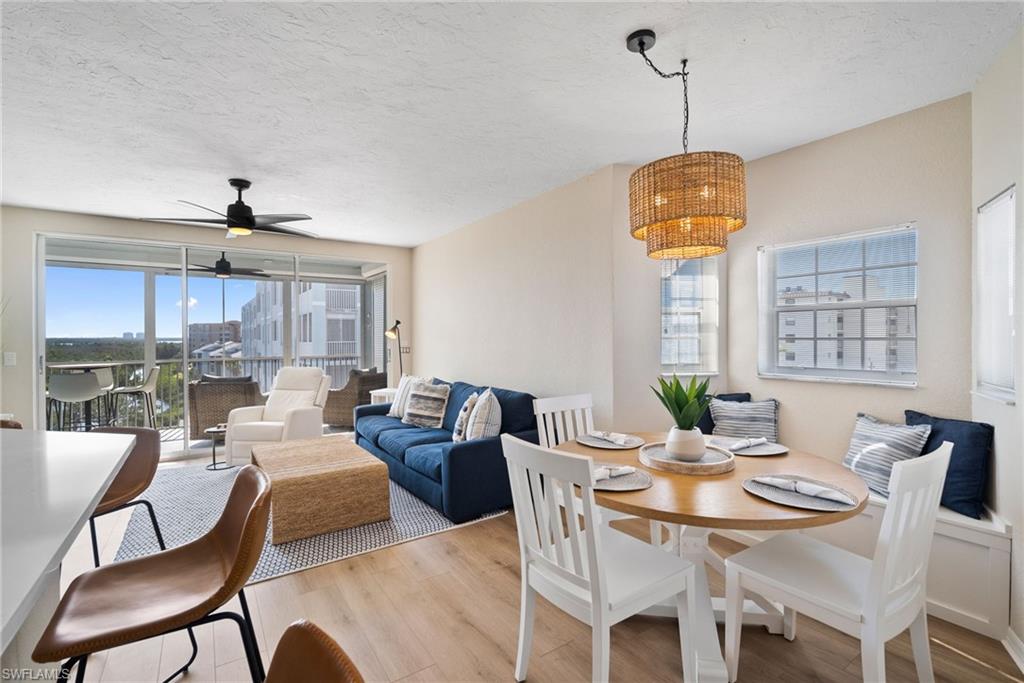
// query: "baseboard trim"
[[1015, 646]]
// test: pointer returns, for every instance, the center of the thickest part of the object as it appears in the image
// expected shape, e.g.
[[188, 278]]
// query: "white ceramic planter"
[[685, 445]]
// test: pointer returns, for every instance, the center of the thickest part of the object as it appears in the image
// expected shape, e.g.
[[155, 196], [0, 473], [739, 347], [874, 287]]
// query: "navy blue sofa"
[[461, 480]]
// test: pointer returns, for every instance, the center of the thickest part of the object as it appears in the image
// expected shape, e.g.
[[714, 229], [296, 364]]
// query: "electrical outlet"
[[10, 358], [406, 349]]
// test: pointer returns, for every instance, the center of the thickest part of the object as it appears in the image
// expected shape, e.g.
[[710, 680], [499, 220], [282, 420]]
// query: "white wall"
[[19, 226], [997, 129], [522, 299], [911, 167]]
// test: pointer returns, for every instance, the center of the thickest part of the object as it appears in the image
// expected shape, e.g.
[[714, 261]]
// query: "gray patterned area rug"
[[188, 501]]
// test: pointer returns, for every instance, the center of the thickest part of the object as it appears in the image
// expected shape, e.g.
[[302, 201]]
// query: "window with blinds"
[[689, 316], [378, 322], [842, 309], [994, 300]]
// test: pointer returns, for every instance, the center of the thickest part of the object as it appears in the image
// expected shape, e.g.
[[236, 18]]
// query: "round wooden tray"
[[715, 461]]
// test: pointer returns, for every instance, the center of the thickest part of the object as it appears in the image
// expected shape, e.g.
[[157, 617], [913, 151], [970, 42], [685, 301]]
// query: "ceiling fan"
[[222, 269], [240, 219]]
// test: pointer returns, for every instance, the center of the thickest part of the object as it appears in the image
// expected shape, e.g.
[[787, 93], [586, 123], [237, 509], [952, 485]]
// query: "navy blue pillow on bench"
[[967, 475], [706, 424]]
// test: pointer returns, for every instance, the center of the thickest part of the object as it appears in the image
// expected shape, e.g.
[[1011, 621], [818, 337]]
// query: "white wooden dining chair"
[[873, 600], [563, 418], [595, 574]]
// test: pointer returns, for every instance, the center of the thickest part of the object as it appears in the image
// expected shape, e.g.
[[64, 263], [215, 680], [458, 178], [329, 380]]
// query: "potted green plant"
[[686, 404]]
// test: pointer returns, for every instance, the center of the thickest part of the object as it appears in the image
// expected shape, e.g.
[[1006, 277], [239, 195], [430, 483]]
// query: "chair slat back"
[[563, 418], [900, 566], [550, 536]]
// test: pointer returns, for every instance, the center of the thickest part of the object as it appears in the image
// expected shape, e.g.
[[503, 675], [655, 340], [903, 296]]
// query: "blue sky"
[[90, 302]]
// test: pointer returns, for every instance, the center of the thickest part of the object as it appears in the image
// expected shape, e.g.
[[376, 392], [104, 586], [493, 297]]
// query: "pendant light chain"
[[684, 74]]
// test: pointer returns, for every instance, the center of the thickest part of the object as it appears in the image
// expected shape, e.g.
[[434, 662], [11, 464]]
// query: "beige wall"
[[911, 167], [522, 299], [19, 226], [998, 162]]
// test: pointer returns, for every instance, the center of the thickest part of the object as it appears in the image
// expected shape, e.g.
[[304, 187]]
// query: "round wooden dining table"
[[688, 508]]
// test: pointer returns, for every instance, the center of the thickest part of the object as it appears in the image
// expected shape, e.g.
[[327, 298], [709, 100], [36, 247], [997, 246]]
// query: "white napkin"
[[747, 443], [604, 472], [806, 488], [611, 437]]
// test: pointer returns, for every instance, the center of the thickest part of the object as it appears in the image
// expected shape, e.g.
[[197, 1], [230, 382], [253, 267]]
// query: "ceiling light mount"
[[639, 41]]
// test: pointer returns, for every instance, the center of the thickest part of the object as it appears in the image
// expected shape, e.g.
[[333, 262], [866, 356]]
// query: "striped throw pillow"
[[402, 394], [426, 404], [749, 420], [876, 446], [485, 419], [459, 433]]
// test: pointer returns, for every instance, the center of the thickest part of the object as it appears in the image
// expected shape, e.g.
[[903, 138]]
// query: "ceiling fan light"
[[222, 276], [678, 201], [240, 230]]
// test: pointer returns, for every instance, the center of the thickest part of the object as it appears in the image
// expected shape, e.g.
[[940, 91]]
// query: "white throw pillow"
[[462, 421], [402, 394], [876, 446], [426, 404], [746, 420], [485, 419]]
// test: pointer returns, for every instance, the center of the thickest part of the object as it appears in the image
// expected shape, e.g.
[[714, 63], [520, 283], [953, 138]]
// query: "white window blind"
[[689, 316], [994, 283], [842, 309]]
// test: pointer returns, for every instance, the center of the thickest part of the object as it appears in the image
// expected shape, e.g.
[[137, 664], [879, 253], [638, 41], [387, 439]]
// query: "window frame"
[[770, 335]]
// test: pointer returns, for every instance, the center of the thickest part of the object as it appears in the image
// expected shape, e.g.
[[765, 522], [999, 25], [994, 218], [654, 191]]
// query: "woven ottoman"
[[322, 485]]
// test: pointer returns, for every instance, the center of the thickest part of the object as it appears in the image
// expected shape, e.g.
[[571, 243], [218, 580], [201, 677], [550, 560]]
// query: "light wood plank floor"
[[445, 608]]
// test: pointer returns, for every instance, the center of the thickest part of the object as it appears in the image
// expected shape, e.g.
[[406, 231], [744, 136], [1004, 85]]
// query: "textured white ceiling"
[[395, 123]]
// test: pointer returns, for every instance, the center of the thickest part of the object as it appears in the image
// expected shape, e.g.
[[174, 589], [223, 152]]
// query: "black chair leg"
[[65, 669], [252, 634], [95, 545], [156, 527], [195, 651]]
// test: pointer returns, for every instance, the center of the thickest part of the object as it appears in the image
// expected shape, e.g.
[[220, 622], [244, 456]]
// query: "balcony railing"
[[170, 397]]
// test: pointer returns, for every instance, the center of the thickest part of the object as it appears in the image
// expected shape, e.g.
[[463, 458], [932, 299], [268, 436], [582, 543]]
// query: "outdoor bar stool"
[[306, 653], [146, 391], [67, 389], [105, 377], [169, 591], [135, 476]]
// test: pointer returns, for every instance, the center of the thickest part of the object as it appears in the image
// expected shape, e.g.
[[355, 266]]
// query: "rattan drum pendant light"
[[684, 206]]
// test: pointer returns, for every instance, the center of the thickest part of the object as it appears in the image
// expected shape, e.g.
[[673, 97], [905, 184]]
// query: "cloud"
[[192, 302]]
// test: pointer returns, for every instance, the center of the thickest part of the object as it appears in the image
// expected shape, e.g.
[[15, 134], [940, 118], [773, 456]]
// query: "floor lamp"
[[394, 332]]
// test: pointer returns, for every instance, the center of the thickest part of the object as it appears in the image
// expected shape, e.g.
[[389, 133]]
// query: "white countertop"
[[50, 482]]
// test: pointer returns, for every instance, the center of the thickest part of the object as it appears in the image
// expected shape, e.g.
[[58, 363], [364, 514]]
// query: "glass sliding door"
[[105, 314], [335, 317]]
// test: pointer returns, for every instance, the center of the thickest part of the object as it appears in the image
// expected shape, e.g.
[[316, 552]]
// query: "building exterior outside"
[[203, 334]]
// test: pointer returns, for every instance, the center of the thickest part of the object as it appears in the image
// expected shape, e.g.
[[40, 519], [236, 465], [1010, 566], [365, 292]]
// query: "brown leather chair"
[[306, 653], [173, 590], [10, 424], [135, 476]]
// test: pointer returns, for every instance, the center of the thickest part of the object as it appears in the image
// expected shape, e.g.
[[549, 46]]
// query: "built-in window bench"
[[969, 572]]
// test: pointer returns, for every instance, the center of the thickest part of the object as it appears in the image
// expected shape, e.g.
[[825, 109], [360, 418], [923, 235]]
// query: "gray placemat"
[[637, 481], [594, 442], [798, 500]]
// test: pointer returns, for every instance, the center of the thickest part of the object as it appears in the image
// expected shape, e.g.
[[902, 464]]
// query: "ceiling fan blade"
[[282, 230], [200, 206], [248, 272], [214, 221], [205, 269], [271, 218]]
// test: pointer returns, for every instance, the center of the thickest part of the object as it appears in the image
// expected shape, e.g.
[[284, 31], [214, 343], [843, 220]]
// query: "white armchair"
[[294, 410]]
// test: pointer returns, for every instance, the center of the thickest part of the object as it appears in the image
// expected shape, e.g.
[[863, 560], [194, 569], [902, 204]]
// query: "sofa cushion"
[[967, 476], [706, 423], [372, 426], [516, 410], [426, 404], [397, 441], [460, 391], [257, 431], [426, 459]]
